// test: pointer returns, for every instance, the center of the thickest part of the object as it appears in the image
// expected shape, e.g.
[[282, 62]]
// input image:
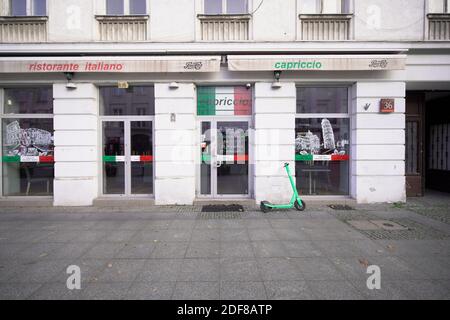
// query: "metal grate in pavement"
[[219, 215]]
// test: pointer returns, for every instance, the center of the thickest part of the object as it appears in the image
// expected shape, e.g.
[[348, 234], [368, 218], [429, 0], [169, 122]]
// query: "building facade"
[[184, 100]]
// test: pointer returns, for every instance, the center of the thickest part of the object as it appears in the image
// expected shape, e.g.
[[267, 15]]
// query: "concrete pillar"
[[175, 132], [274, 141], [378, 143], [76, 144]]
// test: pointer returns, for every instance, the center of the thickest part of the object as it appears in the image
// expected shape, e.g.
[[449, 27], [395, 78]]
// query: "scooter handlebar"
[[286, 164]]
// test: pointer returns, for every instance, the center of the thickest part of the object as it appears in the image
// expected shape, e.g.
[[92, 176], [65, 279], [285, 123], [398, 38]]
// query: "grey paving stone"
[[169, 250], [425, 290], [299, 249], [242, 290], [62, 236], [202, 249], [232, 224], [105, 291], [90, 270], [103, 250], [390, 290], [121, 270], [38, 251], [91, 235], [279, 269], [283, 223], [136, 250], [318, 268], [394, 268], [147, 235], [158, 224], [433, 267], [260, 223], [239, 269], [288, 290], [160, 270], [236, 234], [11, 268], [40, 272], [10, 250], [349, 248], [269, 249], [119, 235], [153, 290], [17, 291], [71, 250], [334, 290], [291, 234], [262, 234], [56, 291], [206, 224], [196, 291], [205, 235], [236, 249], [199, 269], [182, 224], [354, 268], [176, 235]]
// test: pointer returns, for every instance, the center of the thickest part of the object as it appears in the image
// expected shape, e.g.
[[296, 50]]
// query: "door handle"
[[218, 163]]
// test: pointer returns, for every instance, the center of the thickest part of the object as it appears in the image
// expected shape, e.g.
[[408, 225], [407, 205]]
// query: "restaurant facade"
[[178, 122]]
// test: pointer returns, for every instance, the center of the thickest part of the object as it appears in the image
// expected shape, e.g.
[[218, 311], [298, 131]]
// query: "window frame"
[[225, 8], [127, 9], [444, 7], [4, 115], [346, 115], [29, 8]]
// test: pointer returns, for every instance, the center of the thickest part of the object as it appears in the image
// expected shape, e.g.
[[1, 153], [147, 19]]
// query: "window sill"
[[245, 16], [440, 16], [23, 18], [138, 17], [335, 16]]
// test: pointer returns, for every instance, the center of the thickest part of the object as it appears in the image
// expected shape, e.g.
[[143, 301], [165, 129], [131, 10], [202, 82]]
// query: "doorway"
[[127, 156], [224, 170]]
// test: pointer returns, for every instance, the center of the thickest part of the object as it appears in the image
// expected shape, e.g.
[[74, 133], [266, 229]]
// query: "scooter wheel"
[[300, 206], [263, 206]]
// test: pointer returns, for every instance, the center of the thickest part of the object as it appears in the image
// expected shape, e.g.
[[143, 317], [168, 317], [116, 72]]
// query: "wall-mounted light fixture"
[[173, 85], [69, 76], [276, 84]]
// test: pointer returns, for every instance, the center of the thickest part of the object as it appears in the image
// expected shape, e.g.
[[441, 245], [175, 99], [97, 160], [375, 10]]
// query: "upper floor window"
[[28, 7], [439, 6], [125, 7], [325, 6], [226, 6]]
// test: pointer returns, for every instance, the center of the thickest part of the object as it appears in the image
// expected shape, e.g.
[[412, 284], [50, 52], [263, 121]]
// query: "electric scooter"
[[296, 202]]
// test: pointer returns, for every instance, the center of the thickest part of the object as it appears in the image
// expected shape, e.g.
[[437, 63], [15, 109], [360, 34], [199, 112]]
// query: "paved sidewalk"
[[178, 253]]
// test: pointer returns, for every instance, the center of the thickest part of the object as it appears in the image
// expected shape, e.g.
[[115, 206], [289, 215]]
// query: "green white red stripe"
[[321, 157], [224, 101], [29, 159], [139, 158]]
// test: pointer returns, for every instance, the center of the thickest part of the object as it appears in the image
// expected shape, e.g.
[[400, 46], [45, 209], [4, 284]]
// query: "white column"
[[174, 144], [76, 145], [378, 143], [274, 141]]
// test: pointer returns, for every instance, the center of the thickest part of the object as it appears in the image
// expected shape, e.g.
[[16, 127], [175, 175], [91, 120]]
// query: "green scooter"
[[296, 202]]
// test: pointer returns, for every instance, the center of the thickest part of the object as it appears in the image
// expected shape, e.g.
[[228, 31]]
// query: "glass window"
[[27, 142], [236, 6], [213, 6], [136, 100], [333, 6], [28, 100], [322, 156], [40, 7], [114, 7], [19, 7], [138, 7], [322, 100]]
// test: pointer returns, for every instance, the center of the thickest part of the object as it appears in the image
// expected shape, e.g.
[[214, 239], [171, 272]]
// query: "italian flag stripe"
[[319, 157], [142, 158], [30, 159], [242, 98], [206, 101], [224, 101], [226, 158]]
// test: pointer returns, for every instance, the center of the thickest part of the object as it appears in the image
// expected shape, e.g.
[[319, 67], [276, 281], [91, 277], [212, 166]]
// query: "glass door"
[[127, 157], [224, 167]]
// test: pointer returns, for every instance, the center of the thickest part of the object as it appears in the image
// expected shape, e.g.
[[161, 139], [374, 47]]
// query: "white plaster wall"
[[275, 20], [71, 20], [378, 143], [76, 145], [277, 122], [388, 20], [172, 20], [175, 144]]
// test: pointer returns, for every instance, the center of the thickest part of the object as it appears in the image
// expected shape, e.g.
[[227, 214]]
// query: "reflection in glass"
[[27, 157], [138, 7], [136, 100], [114, 7], [113, 158], [141, 157], [232, 157], [213, 6], [205, 167], [236, 6], [28, 100], [322, 137], [322, 100]]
